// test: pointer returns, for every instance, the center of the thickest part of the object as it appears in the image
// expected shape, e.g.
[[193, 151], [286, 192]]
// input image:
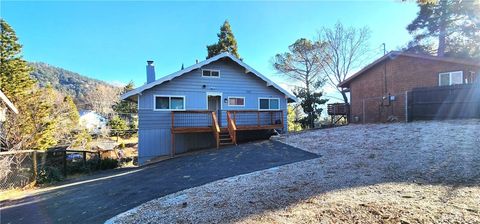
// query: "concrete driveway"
[[98, 198]]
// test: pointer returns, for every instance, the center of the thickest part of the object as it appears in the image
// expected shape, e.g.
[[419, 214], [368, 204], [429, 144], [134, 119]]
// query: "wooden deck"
[[198, 121]]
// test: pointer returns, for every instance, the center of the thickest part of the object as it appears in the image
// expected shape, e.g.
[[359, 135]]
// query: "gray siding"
[[154, 126]]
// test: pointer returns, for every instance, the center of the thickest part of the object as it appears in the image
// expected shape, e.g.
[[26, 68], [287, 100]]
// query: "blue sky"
[[111, 40]]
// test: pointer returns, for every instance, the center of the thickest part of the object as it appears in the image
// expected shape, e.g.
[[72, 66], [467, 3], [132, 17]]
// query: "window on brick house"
[[450, 78]]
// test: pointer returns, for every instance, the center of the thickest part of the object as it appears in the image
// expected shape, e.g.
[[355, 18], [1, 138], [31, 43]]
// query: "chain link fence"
[[25, 167], [17, 169]]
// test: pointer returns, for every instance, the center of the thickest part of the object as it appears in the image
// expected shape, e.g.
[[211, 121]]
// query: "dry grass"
[[422, 172]]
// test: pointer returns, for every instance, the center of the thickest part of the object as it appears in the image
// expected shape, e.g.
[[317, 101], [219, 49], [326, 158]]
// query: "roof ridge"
[[199, 65]]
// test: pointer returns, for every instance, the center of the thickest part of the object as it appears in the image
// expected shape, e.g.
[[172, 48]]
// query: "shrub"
[[117, 125], [49, 174], [108, 163]]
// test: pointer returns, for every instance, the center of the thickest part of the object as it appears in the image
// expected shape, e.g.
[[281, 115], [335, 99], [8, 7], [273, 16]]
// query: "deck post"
[[258, 118], [172, 135], [271, 118]]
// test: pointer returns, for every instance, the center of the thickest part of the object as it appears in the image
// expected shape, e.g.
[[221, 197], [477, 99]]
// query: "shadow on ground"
[[96, 199]]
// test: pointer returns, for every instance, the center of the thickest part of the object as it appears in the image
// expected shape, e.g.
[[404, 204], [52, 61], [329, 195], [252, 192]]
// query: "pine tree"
[[451, 26], [15, 79], [303, 64], [125, 107], [36, 125], [73, 116], [226, 42]]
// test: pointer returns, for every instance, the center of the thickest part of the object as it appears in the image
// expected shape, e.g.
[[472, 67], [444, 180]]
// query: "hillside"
[[68, 82]]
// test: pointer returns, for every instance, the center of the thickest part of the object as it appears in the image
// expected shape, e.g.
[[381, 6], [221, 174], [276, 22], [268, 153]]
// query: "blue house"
[[208, 104]]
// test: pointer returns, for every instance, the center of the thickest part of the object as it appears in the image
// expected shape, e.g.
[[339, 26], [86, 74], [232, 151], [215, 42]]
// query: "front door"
[[214, 105]]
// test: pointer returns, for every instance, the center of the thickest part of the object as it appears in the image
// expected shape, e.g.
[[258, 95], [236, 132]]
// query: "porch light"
[[225, 100]]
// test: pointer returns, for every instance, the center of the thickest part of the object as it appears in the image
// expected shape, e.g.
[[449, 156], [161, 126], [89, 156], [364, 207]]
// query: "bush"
[[108, 163], [49, 174], [117, 125]]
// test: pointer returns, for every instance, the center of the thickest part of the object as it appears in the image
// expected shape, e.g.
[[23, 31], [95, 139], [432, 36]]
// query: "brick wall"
[[403, 74]]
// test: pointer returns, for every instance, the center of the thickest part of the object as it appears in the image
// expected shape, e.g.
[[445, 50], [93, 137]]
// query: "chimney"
[[150, 72]]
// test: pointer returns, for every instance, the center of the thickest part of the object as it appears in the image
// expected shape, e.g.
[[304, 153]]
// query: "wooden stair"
[[225, 138]]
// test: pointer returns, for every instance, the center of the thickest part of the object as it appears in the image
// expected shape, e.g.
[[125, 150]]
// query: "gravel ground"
[[420, 172]]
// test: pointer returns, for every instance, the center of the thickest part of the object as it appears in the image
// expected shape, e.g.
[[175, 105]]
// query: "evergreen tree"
[[304, 65], [125, 107], [226, 42], [37, 126], [128, 109], [450, 26], [15, 79], [72, 112], [293, 118]]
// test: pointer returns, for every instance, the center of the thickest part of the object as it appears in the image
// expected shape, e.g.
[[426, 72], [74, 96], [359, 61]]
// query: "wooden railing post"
[[216, 129]]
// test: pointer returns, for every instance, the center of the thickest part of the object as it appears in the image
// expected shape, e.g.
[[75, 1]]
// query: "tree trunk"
[[345, 100], [344, 95], [442, 29]]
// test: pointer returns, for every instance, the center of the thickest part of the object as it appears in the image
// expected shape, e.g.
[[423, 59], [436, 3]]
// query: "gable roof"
[[394, 54], [147, 86], [8, 102]]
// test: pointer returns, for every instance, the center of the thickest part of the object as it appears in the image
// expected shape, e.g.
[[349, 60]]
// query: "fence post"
[[35, 172], [84, 159], [65, 163], [406, 107]]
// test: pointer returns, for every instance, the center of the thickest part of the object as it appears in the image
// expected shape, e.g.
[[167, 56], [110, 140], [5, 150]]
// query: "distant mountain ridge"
[[67, 82]]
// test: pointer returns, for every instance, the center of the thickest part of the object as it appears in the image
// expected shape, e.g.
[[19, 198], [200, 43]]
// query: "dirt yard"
[[421, 172]]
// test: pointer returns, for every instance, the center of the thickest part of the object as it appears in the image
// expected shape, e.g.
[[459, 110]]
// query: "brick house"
[[378, 92]]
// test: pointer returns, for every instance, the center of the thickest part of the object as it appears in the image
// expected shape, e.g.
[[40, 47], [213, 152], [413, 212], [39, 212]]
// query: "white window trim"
[[211, 70], [169, 102], [214, 94], [268, 98], [449, 77], [236, 105]]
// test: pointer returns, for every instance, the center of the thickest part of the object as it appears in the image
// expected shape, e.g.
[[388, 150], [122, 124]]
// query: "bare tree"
[[102, 99], [346, 49]]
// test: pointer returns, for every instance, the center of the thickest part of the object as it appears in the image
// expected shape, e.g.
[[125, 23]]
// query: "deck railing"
[[254, 119], [232, 128], [191, 119], [216, 129]]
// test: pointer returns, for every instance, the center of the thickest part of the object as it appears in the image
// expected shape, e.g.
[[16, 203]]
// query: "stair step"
[[226, 139], [226, 143]]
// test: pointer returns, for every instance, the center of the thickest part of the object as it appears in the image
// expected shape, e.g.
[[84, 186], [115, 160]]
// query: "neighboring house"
[[378, 91], [92, 121], [5, 104], [205, 105], [8, 105]]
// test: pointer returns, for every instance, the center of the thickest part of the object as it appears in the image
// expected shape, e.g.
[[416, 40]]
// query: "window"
[[236, 101], [169, 103], [210, 73], [268, 103], [450, 78]]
